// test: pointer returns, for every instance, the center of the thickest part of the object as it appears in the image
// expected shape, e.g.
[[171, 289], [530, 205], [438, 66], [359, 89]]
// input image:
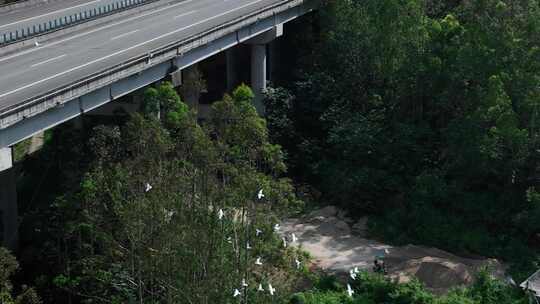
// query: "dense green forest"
[[421, 114], [426, 117]]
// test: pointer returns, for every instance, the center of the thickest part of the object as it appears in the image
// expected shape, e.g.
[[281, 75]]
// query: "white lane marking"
[[124, 35], [92, 31], [49, 60], [51, 13], [125, 50], [185, 14]]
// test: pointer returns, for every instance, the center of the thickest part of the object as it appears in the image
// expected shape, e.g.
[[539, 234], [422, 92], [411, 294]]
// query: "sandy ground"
[[334, 249], [337, 245]]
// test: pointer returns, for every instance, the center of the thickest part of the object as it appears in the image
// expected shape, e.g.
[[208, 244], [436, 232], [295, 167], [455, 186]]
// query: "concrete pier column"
[[258, 74], [232, 76], [191, 86], [259, 66], [8, 200]]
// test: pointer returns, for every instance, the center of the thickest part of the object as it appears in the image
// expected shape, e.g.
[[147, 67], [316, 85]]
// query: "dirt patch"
[[326, 235]]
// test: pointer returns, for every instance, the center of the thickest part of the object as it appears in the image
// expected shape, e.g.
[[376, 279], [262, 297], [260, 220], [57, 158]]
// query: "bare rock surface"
[[337, 247]]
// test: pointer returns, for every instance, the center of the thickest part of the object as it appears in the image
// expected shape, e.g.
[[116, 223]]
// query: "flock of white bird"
[[258, 261]]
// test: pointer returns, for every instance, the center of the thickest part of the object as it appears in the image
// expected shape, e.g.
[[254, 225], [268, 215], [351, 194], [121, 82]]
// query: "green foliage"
[[424, 115], [375, 289], [327, 297], [164, 103], [328, 283], [122, 244], [8, 267]]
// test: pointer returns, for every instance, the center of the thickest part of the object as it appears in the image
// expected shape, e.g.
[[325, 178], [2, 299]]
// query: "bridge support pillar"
[[8, 200], [191, 86], [258, 74], [259, 64], [232, 75]]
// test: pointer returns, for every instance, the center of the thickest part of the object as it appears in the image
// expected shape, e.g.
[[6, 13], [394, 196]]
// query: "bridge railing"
[[42, 28], [60, 95]]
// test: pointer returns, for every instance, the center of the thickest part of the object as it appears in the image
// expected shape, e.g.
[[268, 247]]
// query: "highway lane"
[[33, 72], [33, 15]]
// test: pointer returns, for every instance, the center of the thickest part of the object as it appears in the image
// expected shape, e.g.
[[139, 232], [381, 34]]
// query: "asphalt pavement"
[[32, 72], [43, 13]]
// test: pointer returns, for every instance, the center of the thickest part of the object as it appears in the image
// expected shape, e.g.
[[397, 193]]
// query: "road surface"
[[32, 72], [33, 15]]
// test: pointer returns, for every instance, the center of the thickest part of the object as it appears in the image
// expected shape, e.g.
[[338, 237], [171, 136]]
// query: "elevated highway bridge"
[[54, 80]]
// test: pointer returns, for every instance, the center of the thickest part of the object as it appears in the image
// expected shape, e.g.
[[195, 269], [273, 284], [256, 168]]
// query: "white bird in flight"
[[298, 263], [36, 43], [276, 227], [220, 214], [294, 238], [248, 246], [258, 232], [349, 290], [356, 270], [147, 187], [260, 195], [229, 240], [258, 261], [260, 288], [352, 274], [236, 293], [271, 289], [244, 284]]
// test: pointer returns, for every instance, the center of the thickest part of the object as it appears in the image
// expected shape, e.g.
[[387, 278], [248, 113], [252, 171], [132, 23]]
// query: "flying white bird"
[[229, 240], [294, 238], [271, 289], [284, 242], [386, 251], [248, 246], [298, 263], [147, 187], [236, 293], [260, 288], [244, 284], [220, 214], [260, 195], [276, 227], [356, 269], [349, 290], [258, 261], [258, 232], [352, 274], [36, 43]]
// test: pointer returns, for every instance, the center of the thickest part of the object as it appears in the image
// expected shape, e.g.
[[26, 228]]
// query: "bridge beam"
[[8, 200]]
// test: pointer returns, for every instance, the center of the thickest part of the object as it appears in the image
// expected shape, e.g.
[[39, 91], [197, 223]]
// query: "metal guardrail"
[[185, 44], [29, 32]]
